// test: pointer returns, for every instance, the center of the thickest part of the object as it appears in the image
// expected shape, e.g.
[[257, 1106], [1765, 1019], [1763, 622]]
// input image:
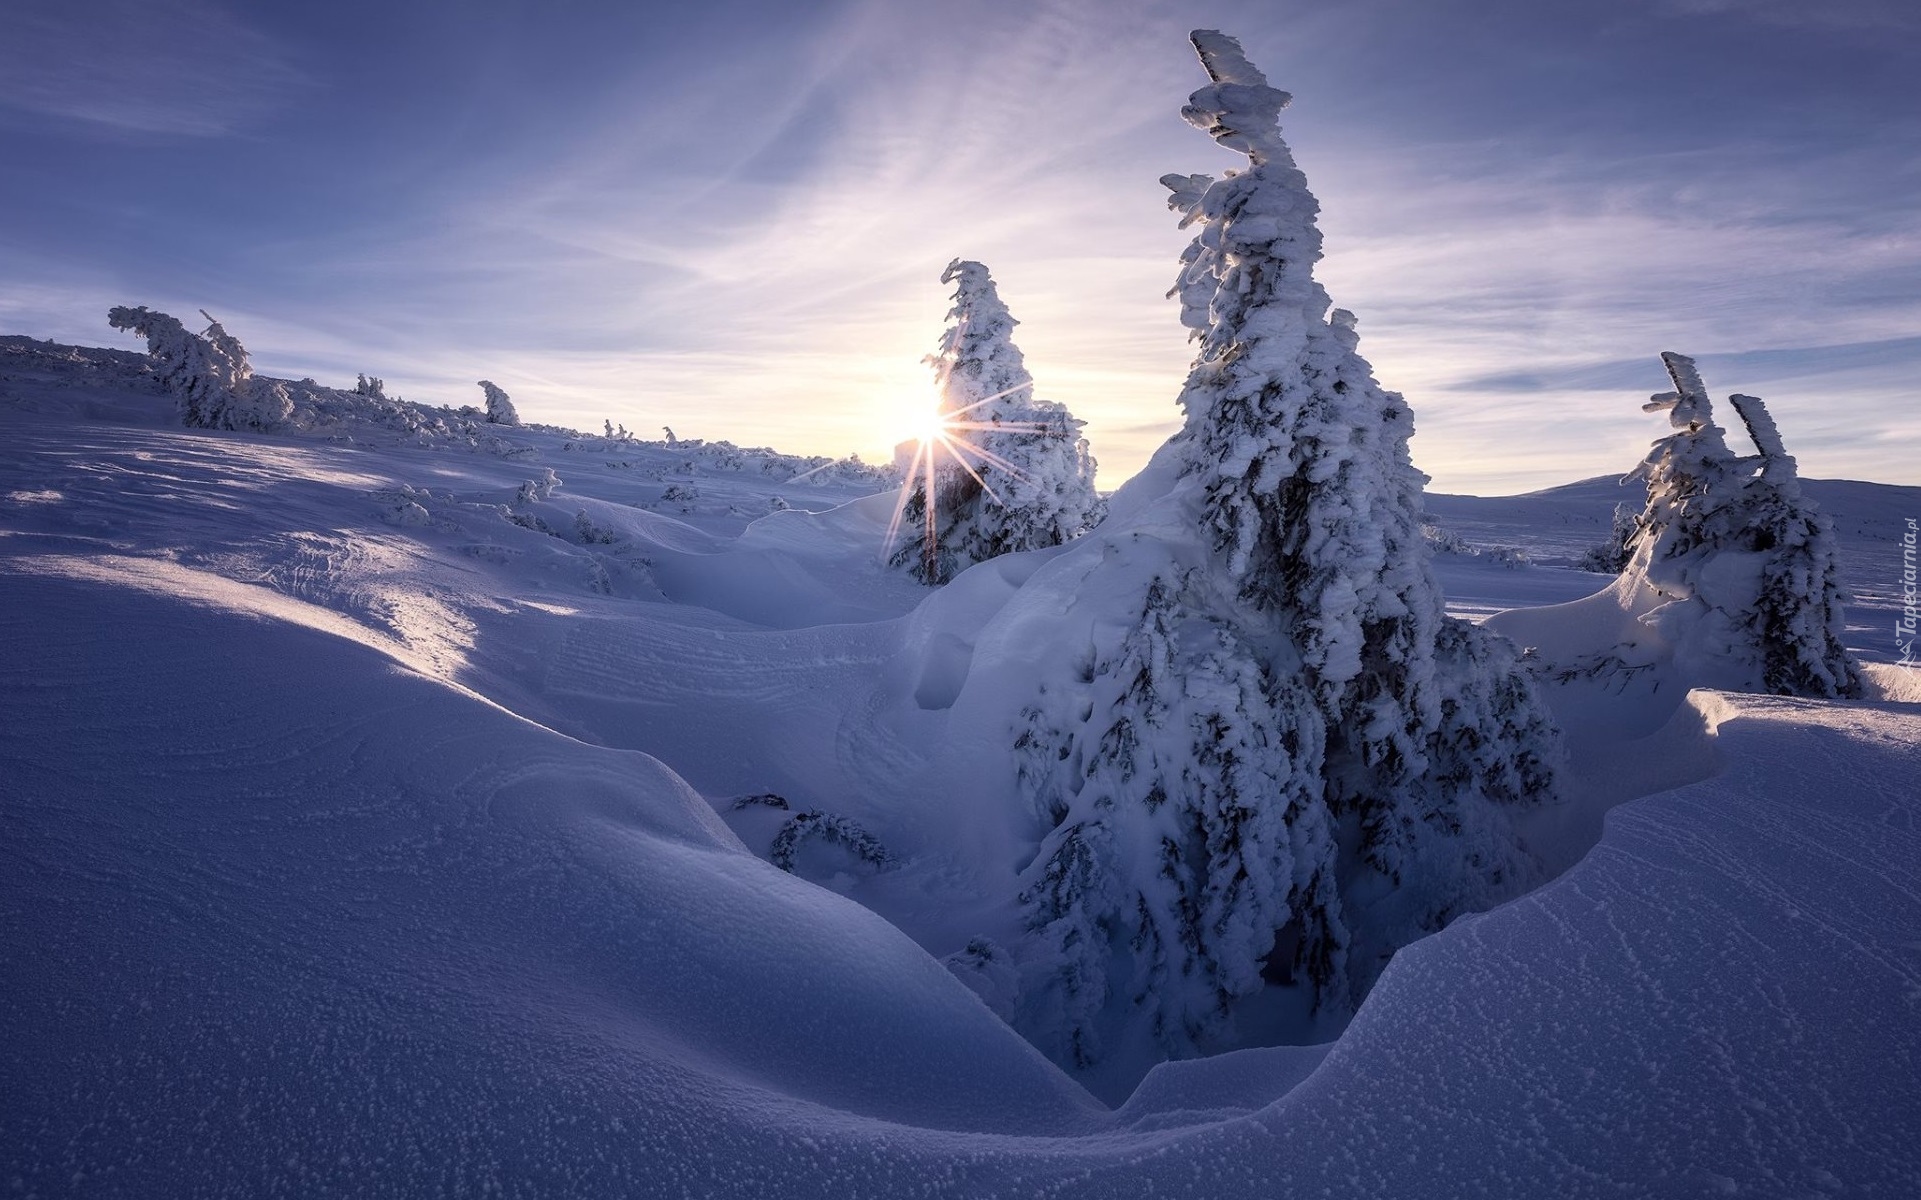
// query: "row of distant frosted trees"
[[211, 376]]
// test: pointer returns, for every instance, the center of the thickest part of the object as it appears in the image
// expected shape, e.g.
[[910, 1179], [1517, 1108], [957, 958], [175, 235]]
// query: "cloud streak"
[[170, 67], [1798, 362]]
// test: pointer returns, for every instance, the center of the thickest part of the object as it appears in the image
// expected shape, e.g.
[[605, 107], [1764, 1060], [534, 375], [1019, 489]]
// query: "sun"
[[940, 441], [928, 424], [921, 419]]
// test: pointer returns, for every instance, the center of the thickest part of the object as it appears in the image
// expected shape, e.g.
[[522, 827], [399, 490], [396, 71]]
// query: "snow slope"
[[350, 846]]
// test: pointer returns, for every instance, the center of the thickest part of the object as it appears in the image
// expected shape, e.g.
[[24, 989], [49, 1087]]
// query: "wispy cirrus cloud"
[[1521, 302], [1863, 16], [1798, 362], [176, 67]]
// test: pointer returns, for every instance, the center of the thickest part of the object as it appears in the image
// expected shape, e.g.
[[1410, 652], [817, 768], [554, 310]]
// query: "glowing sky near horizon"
[[732, 218]]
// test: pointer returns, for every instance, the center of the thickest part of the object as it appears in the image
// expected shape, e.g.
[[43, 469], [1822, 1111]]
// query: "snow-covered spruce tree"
[[208, 373], [1744, 562], [500, 410], [1289, 762], [1010, 472]]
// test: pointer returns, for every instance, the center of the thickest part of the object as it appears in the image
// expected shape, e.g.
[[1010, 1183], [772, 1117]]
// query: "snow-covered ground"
[[373, 823]]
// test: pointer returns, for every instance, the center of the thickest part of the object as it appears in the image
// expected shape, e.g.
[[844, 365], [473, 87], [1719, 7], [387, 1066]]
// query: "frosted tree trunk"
[[1776, 463]]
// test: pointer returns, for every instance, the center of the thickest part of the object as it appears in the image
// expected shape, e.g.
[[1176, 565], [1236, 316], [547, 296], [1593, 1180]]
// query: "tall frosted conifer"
[[1286, 679], [1009, 472], [1309, 495]]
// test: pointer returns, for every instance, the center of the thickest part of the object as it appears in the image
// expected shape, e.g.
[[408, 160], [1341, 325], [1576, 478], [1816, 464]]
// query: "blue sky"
[[731, 218]]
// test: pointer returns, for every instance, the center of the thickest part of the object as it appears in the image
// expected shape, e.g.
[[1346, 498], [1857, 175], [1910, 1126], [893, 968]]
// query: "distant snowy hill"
[[1559, 523], [378, 818]]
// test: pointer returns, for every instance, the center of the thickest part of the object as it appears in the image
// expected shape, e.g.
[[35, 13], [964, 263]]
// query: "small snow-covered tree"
[[500, 410], [1611, 557], [1008, 472], [208, 372], [1744, 562], [1799, 615], [1288, 719]]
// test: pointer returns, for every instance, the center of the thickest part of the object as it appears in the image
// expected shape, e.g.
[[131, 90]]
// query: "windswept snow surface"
[[363, 809]]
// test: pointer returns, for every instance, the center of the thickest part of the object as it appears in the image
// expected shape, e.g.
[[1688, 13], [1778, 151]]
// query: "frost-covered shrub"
[[405, 506], [833, 830], [1611, 557], [811, 825], [266, 404], [761, 800], [538, 489], [500, 410], [1274, 716], [207, 372], [834, 471], [589, 533], [1010, 472], [1442, 540], [1742, 562]]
